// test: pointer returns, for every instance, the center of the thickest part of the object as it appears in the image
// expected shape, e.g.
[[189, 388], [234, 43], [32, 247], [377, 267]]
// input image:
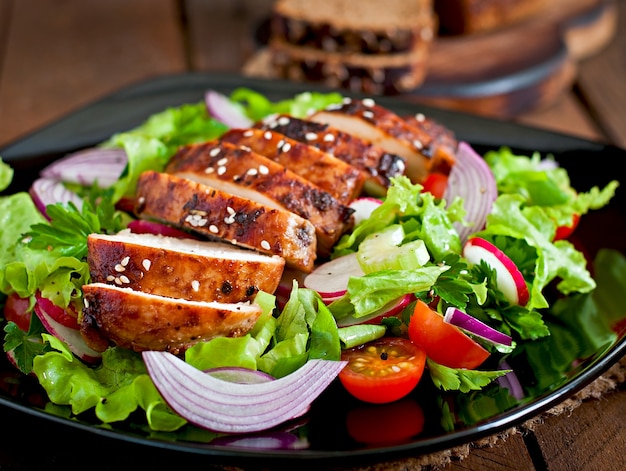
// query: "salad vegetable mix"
[[436, 282]]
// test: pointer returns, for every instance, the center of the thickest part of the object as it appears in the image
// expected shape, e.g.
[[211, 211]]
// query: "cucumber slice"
[[384, 251]]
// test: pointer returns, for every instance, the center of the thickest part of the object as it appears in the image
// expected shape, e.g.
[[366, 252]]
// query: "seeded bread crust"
[[360, 73], [475, 16], [363, 40], [374, 15]]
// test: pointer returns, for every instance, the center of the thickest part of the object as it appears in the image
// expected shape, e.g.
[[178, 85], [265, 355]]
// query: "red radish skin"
[[363, 208], [71, 337], [62, 316], [394, 308], [509, 279], [330, 279]]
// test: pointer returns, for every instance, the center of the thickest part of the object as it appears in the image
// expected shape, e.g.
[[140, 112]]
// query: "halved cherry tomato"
[[444, 343], [383, 370], [563, 232], [436, 183], [16, 309]]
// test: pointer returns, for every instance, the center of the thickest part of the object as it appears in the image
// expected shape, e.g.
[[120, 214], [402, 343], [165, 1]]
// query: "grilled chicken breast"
[[141, 321], [444, 143], [384, 128], [247, 174], [217, 214], [378, 165], [340, 179], [195, 270]]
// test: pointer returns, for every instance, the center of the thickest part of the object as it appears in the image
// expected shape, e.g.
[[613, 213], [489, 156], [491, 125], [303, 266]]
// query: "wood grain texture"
[[208, 22], [578, 442], [55, 63], [602, 86]]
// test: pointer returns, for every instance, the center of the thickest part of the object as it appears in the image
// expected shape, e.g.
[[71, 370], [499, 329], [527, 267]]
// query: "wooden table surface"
[[56, 56]]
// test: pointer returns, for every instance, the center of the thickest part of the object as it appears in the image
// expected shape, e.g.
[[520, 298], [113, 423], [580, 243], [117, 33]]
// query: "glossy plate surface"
[[339, 430]]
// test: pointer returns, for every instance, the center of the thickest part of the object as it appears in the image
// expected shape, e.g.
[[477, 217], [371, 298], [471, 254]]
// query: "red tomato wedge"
[[444, 343], [16, 310], [383, 370], [436, 183], [563, 232]]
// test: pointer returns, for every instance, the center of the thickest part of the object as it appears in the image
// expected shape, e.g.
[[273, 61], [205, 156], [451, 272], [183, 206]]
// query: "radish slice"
[[392, 309], [70, 336], [330, 279], [508, 277], [227, 407], [45, 191], [478, 328], [471, 179], [87, 166], [141, 226], [62, 316], [225, 111], [363, 208]]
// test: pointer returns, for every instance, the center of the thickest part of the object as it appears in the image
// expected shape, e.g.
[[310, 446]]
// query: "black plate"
[[549, 371]]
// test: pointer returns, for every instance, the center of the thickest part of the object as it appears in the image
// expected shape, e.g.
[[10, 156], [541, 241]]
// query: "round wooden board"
[[509, 71], [524, 66]]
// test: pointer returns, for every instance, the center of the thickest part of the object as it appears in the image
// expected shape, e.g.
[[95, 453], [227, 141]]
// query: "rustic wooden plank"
[[592, 438], [601, 81], [510, 454], [566, 115], [210, 22], [55, 63]]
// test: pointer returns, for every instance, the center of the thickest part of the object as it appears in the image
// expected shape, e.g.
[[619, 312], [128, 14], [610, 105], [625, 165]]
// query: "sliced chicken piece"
[[378, 165], [340, 179], [384, 128], [244, 173], [141, 321], [444, 143], [220, 215], [195, 270]]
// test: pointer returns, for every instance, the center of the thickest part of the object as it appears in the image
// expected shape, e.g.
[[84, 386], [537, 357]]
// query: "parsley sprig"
[[69, 226]]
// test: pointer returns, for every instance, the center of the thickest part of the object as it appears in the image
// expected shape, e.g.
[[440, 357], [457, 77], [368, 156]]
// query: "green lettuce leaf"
[[116, 388]]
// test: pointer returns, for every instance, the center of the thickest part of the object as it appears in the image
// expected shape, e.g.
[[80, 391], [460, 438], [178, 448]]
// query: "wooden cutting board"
[[516, 69]]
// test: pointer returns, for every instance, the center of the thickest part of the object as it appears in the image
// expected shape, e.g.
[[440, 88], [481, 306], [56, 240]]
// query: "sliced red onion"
[[471, 179], [511, 382], [221, 108], [472, 325], [104, 165], [240, 375], [45, 191], [232, 407]]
